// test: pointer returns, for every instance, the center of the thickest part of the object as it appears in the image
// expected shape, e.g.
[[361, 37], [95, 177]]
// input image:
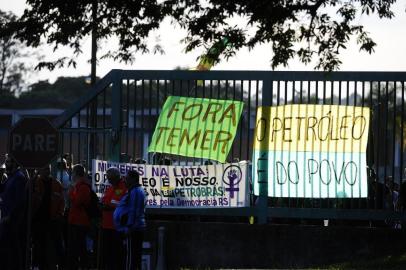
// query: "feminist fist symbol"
[[232, 175], [233, 180]]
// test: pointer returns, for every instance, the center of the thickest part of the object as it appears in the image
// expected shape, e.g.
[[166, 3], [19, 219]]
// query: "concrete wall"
[[228, 245]]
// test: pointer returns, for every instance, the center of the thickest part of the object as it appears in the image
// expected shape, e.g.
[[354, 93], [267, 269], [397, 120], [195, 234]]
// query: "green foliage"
[[304, 29], [13, 65], [68, 23], [313, 29]]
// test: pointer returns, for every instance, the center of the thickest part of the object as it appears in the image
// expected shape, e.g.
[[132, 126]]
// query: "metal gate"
[[116, 119]]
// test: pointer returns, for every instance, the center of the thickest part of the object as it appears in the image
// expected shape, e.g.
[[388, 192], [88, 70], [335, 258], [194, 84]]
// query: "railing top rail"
[[262, 75]]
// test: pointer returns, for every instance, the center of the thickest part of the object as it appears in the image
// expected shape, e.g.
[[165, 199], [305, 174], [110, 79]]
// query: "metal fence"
[[116, 120]]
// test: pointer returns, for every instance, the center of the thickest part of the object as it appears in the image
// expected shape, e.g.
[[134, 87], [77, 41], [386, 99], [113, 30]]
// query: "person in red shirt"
[[112, 241], [78, 219]]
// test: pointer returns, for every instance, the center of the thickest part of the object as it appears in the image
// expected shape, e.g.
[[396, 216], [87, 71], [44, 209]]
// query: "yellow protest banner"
[[312, 128]]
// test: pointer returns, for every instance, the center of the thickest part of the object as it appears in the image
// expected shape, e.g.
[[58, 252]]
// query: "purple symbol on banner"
[[233, 174]]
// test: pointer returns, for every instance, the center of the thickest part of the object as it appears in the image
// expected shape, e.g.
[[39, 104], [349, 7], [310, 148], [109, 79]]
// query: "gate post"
[[262, 162], [115, 135]]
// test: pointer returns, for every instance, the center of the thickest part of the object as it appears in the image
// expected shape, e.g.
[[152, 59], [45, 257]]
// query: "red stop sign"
[[33, 142]]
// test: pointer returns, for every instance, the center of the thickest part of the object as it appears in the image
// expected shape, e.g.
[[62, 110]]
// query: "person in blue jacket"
[[13, 199], [129, 218]]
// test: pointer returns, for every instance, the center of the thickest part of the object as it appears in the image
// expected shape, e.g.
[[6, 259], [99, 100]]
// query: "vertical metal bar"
[[385, 157], [135, 133], [286, 83], [185, 160], [352, 150], [87, 141], [116, 118], [362, 106], [204, 88], [278, 95], [195, 95], [401, 165], [149, 126], [335, 200], [70, 144], [211, 88], [324, 103], [104, 125], [285, 102], [241, 122], [173, 93], [339, 103], [296, 200], [393, 136], [316, 101], [348, 103], [79, 138], [157, 110], [262, 161], [142, 116], [97, 125], [301, 92], [150, 108], [377, 155], [127, 117], [232, 145], [204, 96], [247, 156], [372, 151]]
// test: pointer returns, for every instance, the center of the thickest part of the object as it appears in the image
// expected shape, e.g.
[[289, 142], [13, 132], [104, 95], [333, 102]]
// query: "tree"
[[60, 94], [306, 29], [298, 28], [67, 23], [12, 58]]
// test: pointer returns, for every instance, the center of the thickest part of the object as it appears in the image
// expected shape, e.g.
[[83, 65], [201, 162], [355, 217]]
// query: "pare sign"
[[33, 142]]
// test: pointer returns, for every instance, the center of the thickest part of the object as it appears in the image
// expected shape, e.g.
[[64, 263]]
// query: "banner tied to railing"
[[220, 185], [311, 151], [196, 127]]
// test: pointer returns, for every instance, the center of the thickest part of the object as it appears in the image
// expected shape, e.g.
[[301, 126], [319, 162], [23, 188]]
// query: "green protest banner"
[[196, 127]]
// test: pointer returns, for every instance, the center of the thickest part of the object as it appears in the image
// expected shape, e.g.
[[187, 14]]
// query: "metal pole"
[[30, 182], [161, 265], [262, 162], [93, 60], [93, 105], [93, 112]]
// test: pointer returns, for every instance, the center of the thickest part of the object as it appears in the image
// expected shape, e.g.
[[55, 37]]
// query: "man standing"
[[13, 199], [78, 219], [64, 178], [112, 241], [129, 218], [48, 209]]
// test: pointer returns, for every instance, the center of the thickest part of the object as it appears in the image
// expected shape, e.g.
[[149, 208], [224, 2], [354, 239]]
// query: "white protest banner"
[[220, 185]]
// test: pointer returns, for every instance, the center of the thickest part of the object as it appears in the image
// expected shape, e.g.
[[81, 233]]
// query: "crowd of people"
[[59, 222]]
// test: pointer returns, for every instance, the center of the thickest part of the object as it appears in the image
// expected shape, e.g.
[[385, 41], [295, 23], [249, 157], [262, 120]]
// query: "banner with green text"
[[196, 127], [311, 151]]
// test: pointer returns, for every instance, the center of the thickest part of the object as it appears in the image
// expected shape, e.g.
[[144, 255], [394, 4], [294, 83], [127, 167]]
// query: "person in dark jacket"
[[132, 221], [47, 207], [13, 200], [78, 219]]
